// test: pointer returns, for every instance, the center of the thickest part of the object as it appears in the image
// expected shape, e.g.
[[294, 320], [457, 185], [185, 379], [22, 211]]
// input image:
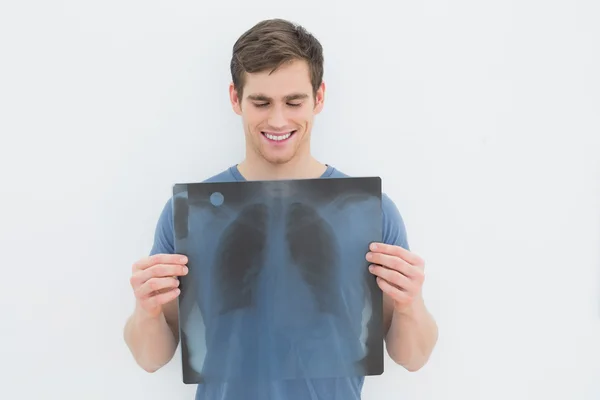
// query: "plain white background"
[[482, 118]]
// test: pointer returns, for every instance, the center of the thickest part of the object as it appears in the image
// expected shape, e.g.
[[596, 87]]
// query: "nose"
[[277, 118]]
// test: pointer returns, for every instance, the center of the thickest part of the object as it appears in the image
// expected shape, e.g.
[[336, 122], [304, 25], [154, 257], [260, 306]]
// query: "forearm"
[[150, 340], [412, 336]]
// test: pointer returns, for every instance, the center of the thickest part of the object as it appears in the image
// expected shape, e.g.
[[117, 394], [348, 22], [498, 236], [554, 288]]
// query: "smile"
[[278, 137]]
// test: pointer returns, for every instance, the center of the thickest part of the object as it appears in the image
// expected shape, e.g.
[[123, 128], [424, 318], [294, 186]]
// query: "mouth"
[[278, 137]]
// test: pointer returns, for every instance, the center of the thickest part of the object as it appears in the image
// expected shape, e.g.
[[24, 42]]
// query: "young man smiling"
[[277, 90]]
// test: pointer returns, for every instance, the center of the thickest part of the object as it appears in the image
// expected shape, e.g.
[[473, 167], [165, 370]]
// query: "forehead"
[[293, 77]]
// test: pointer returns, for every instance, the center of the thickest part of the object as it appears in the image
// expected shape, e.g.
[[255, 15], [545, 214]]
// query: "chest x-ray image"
[[278, 284]]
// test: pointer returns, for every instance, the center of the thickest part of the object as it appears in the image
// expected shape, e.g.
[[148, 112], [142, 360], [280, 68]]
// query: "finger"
[[397, 251], [162, 298], [393, 292], [147, 262], [392, 262], [158, 271], [166, 270], [392, 277], [156, 285]]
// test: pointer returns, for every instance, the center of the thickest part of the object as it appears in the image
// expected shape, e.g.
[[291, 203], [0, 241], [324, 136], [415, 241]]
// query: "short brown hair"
[[272, 43]]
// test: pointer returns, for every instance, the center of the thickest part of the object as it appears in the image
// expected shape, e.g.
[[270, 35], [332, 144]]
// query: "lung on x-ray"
[[278, 284]]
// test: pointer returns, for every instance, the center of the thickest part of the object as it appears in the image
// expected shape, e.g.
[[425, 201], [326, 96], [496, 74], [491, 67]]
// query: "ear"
[[320, 98], [236, 102]]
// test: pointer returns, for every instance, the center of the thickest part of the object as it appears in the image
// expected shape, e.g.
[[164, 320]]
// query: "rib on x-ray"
[[278, 284]]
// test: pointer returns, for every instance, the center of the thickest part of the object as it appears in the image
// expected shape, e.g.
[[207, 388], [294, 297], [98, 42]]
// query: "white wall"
[[481, 117]]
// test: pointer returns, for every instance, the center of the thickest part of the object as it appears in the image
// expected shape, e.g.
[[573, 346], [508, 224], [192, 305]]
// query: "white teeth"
[[278, 137]]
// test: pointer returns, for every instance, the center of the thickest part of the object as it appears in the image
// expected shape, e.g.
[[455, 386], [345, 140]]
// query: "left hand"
[[400, 273]]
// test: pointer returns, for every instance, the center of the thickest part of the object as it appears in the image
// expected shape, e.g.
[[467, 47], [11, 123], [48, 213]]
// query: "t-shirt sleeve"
[[394, 230], [163, 234]]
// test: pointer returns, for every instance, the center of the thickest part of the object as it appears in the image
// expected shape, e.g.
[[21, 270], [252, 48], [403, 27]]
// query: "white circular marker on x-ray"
[[216, 199]]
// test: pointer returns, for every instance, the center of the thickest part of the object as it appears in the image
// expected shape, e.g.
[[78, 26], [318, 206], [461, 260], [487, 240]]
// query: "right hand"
[[155, 282]]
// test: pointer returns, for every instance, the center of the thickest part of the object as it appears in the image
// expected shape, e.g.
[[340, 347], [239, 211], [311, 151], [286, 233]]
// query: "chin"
[[277, 159]]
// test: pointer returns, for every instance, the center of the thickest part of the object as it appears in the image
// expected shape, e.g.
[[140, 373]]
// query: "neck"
[[257, 168]]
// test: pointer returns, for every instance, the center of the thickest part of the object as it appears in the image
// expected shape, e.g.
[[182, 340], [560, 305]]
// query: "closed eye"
[[263, 105]]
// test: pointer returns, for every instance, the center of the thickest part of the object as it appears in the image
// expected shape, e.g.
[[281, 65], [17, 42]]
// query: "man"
[[277, 89]]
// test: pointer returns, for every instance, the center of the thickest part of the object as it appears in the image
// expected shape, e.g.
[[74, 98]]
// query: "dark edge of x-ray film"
[[278, 284]]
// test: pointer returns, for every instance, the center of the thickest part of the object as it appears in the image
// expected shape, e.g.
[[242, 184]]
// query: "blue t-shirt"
[[350, 388]]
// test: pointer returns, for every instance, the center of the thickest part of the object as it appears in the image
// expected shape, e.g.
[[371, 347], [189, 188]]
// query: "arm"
[[152, 331], [153, 339], [411, 333]]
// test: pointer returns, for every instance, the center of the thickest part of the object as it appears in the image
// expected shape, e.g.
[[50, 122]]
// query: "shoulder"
[[393, 229], [164, 236]]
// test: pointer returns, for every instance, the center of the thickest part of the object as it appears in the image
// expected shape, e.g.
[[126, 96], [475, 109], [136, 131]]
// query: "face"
[[278, 111]]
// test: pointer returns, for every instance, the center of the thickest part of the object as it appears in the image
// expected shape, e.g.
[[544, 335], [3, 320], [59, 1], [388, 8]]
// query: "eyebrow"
[[290, 97]]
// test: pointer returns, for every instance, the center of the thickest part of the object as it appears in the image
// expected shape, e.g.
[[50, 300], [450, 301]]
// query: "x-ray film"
[[278, 284]]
